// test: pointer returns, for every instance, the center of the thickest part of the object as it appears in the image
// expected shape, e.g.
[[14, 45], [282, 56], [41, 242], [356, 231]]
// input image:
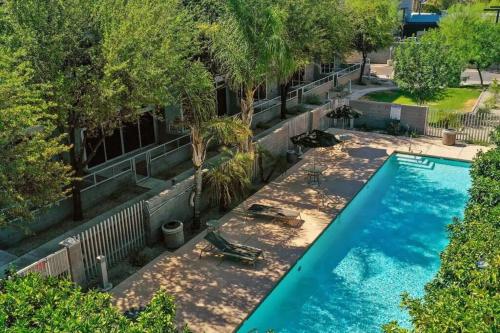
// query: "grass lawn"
[[451, 100]]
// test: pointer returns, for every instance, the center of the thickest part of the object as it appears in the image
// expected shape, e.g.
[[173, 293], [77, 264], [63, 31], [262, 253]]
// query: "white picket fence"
[[55, 264], [471, 127], [115, 237]]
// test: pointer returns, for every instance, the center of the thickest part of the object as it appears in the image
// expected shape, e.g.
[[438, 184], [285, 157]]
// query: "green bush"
[[313, 100], [36, 304], [465, 294]]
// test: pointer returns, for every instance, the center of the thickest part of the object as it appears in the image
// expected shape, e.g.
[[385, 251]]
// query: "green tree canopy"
[[374, 23], [422, 70], [104, 61], [472, 35], [38, 304], [31, 173]]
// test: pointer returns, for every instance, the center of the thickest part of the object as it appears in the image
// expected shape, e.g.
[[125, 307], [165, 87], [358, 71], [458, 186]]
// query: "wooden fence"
[[55, 264], [115, 237], [471, 127]]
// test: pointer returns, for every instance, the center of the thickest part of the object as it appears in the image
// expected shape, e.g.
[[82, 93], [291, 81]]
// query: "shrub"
[[37, 304], [464, 296], [313, 100]]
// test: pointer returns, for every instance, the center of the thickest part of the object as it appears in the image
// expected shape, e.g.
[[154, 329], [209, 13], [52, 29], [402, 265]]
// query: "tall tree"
[[31, 172], [291, 44], [105, 60], [421, 69], [375, 23], [474, 36], [198, 104], [238, 41]]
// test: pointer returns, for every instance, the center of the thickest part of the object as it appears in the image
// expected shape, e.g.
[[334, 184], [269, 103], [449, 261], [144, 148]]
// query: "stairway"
[[419, 162]]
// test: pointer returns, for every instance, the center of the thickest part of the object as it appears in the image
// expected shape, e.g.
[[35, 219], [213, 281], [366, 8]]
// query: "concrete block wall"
[[377, 115], [62, 210]]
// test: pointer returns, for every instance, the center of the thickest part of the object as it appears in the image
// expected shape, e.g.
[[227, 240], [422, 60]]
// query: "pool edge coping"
[[395, 152]]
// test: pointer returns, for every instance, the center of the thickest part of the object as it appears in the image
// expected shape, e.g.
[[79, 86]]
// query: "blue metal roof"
[[423, 18]]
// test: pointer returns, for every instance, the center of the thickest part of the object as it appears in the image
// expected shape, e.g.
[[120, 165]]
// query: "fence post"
[[73, 248]]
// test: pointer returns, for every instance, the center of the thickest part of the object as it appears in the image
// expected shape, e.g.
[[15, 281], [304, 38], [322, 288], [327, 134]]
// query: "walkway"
[[215, 295], [357, 94]]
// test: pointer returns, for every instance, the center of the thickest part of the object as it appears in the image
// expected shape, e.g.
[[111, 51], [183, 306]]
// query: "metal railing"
[[129, 165]]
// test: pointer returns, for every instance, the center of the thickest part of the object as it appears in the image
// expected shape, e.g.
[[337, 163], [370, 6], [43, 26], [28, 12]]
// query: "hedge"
[[37, 304]]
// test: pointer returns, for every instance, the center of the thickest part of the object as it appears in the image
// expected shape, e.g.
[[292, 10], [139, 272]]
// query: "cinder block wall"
[[377, 115]]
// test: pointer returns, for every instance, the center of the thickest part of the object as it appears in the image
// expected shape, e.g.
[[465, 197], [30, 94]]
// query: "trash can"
[[173, 234], [449, 137]]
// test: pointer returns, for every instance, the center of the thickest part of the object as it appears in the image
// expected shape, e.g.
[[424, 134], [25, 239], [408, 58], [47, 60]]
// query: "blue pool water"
[[385, 242]]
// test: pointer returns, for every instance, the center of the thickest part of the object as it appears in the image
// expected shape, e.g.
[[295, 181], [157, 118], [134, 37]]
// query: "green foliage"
[[38, 304], [31, 172], [230, 178], [472, 36], [464, 296], [343, 112], [313, 100], [374, 25], [421, 70]]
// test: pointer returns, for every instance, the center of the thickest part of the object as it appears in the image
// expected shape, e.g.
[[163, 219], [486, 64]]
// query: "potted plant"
[[345, 112]]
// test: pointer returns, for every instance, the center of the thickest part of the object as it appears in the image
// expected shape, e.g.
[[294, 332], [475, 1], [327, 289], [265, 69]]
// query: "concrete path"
[[216, 295], [357, 94]]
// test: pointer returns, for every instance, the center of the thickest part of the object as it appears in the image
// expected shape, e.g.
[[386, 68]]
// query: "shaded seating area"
[[290, 217], [232, 250]]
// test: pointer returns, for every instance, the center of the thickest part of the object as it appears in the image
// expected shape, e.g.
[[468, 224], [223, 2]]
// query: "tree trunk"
[[76, 186], [363, 65], [283, 95], [198, 173], [261, 166], [480, 75], [247, 116]]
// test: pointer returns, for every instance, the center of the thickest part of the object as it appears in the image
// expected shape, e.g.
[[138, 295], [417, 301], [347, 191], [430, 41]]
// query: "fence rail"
[[55, 264], [115, 237], [471, 127]]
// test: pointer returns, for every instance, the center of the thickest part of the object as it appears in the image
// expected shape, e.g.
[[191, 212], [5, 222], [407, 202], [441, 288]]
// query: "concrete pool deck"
[[216, 295]]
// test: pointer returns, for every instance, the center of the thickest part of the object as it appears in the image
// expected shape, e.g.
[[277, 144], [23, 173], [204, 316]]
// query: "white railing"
[[116, 237], [472, 127], [55, 264], [128, 165]]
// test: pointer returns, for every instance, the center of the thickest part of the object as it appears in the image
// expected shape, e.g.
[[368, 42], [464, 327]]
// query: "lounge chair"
[[291, 217], [232, 250]]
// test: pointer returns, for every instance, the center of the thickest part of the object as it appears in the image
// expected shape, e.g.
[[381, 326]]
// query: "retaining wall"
[[377, 115]]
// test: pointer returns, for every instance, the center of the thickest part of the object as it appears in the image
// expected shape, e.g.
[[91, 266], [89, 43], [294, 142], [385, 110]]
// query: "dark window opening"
[[131, 137], [147, 129], [114, 144], [221, 101]]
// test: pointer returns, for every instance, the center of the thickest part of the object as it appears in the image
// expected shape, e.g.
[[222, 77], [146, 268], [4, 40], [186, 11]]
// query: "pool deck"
[[216, 295]]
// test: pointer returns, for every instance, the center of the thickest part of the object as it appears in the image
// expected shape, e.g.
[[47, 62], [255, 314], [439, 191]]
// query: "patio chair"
[[232, 250], [291, 217]]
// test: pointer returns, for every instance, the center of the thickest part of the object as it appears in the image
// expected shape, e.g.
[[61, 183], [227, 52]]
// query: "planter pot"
[[449, 137], [173, 234]]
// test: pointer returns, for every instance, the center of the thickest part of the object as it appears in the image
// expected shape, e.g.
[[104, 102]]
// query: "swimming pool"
[[386, 241]]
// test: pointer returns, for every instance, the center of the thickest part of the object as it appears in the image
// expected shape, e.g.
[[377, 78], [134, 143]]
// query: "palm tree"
[[237, 44], [198, 106], [230, 179]]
